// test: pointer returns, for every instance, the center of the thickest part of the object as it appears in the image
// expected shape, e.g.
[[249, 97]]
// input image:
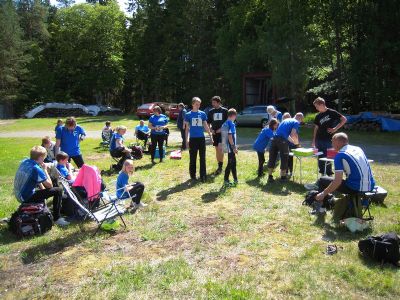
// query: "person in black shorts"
[[216, 117], [327, 122]]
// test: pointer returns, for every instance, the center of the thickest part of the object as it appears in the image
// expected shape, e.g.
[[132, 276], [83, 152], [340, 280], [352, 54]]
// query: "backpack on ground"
[[31, 219], [383, 248], [137, 152], [328, 202]]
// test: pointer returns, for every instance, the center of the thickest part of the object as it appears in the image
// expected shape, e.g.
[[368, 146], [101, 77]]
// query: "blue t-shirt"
[[228, 128], [285, 128], [263, 139], [56, 128], [195, 120], [279, 116], [122, 181], [28, 176], [143, 128], [70, 139], [158, 121], [113, 140], [352, 161], [63, 170]]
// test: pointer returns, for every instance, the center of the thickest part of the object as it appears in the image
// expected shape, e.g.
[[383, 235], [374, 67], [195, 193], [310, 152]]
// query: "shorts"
[[217, 139]]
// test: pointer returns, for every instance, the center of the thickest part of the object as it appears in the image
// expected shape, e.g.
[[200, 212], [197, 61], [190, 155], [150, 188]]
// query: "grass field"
[[196, 241]]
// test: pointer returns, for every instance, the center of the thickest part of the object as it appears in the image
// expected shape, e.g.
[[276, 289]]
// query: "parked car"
[[254, 116], [173, 111], [146, 110]]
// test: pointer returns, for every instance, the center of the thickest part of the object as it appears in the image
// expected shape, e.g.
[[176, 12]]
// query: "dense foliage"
[[171, 50]]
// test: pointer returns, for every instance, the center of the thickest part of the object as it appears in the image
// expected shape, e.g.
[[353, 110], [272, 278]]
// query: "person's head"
[[196, 102], [273, 124], [108, 123], [60, 122], [157, 110], [121, 129], [271, 109], [38, 153], [216, 101], [286, 115], [128, 167], [70, 123], [232, 113], [339, 140], [62, 158], [141, 123], [46, 142], [299, 117], [319, 104]]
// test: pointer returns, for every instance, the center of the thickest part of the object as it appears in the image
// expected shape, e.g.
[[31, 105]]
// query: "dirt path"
[[379, 153]]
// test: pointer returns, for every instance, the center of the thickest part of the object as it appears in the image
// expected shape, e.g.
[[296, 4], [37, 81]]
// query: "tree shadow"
[[277, 188]]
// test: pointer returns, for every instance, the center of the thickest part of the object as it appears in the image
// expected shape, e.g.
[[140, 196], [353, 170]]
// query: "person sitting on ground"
[[117, 147], [229, 144], [263, 142], [60, 123], [107, 131], [273, 113], [142, 132], [287, 132], [49, 145], [64, 167], [32, 174], [126, 190], [158, 123], [68, 139], [350, 160]]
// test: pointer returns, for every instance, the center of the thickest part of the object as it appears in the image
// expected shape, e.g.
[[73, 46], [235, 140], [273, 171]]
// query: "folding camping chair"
[[114, 207], [358, 205], [105, 139]]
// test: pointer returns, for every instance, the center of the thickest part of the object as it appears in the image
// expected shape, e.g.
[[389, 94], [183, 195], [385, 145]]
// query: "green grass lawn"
[[199, 241]]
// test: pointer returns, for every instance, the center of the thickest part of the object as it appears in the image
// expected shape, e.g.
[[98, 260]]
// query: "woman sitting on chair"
[[117, 147]]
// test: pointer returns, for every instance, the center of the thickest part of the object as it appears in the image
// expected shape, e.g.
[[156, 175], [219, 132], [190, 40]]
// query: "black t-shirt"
[[328, 119], [216, 117]]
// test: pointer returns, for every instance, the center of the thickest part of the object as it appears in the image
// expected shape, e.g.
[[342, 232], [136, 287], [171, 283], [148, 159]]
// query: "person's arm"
[[337, 181], [207, 128], [314, 136], [47, 183], [186, 127], [294, 137], [230, 140], [343, 121], [57, 147]]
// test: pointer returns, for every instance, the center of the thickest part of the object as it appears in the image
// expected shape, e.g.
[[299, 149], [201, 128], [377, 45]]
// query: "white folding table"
[[299, 159]]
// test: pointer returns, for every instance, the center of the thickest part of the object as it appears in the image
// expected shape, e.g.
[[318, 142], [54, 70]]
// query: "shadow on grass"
[[336, 233], [277, 187], [377, 266], [213, 195]]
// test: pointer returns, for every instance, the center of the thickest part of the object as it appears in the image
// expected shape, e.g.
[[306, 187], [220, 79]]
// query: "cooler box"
[[157, 154], [331, 153], [303, 151]]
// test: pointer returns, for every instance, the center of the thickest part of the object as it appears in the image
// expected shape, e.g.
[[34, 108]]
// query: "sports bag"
[[31, 219], [328, 202], [137, 152], [383, 248]]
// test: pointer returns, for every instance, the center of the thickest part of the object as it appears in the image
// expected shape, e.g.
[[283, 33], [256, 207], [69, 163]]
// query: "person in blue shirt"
[[142, 132], [195, 124], [59, 124], [350, 160], [158, 123], [273, 113], [229, 145], [263, 142], [180, 122], [287, 132], [32, 183], [117, 147], [126, 190], [68, 138], [64, 167]]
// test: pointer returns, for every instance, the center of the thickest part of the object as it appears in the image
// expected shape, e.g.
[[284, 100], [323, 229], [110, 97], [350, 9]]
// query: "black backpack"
[[383, 248], [328, 202], [31, 219]]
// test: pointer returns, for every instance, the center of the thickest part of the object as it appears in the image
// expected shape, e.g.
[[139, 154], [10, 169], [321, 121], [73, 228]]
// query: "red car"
[[173, 111], [146, 110]]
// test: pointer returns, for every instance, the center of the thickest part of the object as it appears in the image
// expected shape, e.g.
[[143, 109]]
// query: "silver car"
[[253, 116]]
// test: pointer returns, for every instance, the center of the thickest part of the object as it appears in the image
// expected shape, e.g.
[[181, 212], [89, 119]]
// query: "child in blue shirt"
[[64, 167], [59, 124], [126, 190], [262, 143], [228, 138]]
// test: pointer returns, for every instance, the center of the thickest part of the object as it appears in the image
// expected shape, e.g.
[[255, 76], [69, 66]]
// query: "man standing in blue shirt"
[[32, 174], [180, 122], [68, 139], [287, 132], [195, 124]]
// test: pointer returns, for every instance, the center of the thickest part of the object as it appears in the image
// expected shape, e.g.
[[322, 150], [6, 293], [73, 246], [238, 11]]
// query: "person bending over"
[[32, 183]]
